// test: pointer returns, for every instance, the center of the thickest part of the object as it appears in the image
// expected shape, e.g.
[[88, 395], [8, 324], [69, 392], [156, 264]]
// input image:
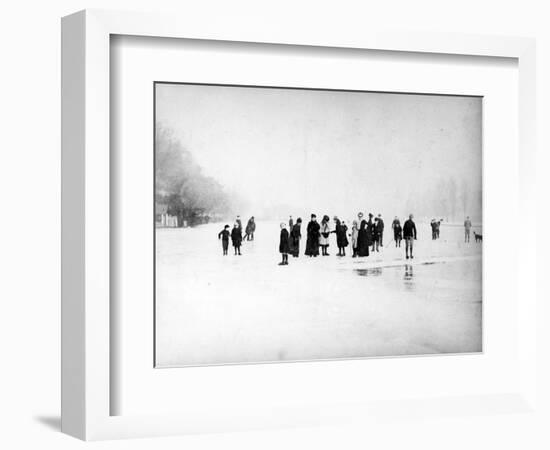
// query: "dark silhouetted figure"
[[397, 231], [295, 236], [380, 229], [224, 236], [341, 231], [362, 237], [312, 242], [324, 237], [284, 245], [236, 238], [409, 233]]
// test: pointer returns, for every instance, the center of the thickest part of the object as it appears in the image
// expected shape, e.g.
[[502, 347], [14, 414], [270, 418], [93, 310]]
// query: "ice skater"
[[341, 231], [371, 230], [295, 236], [237, 238], [325, 233], [397, 231], [284, 244], [434, 229], [312, 242], [467, 228], [224, 236], [380, 227], [409, 233], [250, 229], [362, 237]]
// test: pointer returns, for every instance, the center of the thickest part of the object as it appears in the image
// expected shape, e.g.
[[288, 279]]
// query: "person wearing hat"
[[380, 230], [237, 238], [312, 242], [325, 234], [362, 236], [341, 231], [224, 236], [371, 230], [409, 234], [295, 236], [397, 231], [434, 229], [284, 245]]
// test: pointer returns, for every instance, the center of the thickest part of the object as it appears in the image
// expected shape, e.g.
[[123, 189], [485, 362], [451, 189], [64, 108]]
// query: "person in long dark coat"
[[295, 236], [362, 237], [341, 231], [237, 238], [312, 243], [284, 244], [397, 232], [409, 233]]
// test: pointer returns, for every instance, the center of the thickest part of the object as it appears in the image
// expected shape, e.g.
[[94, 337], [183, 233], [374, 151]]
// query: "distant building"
[[163, 219]]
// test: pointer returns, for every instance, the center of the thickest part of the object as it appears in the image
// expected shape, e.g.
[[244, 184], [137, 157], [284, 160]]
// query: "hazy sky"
[[328, 152]]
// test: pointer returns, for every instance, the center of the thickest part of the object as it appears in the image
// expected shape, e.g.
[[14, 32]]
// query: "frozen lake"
[[214, 309]]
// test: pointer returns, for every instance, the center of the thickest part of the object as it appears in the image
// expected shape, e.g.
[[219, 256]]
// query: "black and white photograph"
[[298, 224]]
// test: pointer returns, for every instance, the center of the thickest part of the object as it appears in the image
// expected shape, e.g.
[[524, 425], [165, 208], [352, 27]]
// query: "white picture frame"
[[86, 284]]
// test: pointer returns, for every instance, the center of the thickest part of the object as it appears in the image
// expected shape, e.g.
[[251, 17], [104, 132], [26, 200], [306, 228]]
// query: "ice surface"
[[214, 309]]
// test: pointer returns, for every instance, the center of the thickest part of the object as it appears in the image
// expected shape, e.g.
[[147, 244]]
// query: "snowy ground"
[[214, 309]]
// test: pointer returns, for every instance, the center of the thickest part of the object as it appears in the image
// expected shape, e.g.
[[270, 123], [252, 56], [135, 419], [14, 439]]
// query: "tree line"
[[181, 185]]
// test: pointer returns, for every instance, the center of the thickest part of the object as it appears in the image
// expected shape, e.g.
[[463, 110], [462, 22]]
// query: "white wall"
[[29, 179]]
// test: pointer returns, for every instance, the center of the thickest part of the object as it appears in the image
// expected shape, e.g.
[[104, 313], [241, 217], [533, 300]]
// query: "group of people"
[[236, 235], [366, 236]]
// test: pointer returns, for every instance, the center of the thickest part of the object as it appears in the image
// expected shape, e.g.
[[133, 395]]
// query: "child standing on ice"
[[284, 244], [224, 236], [237, 238]]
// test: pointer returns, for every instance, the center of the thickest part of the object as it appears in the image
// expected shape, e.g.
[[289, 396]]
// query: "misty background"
[[271, 152]]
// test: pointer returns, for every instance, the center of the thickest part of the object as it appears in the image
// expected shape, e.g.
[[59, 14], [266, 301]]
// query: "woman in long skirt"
[[325, 234], [362, 238], [312, 243], [295, 236]]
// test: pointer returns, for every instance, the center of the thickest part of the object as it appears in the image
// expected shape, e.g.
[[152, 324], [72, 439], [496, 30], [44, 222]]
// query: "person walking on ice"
[[224, 236], [341, 231], [409, 233], [380, 229], [284, 244], [250, 229], [397, 231], [237, 238], [467, 228]]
